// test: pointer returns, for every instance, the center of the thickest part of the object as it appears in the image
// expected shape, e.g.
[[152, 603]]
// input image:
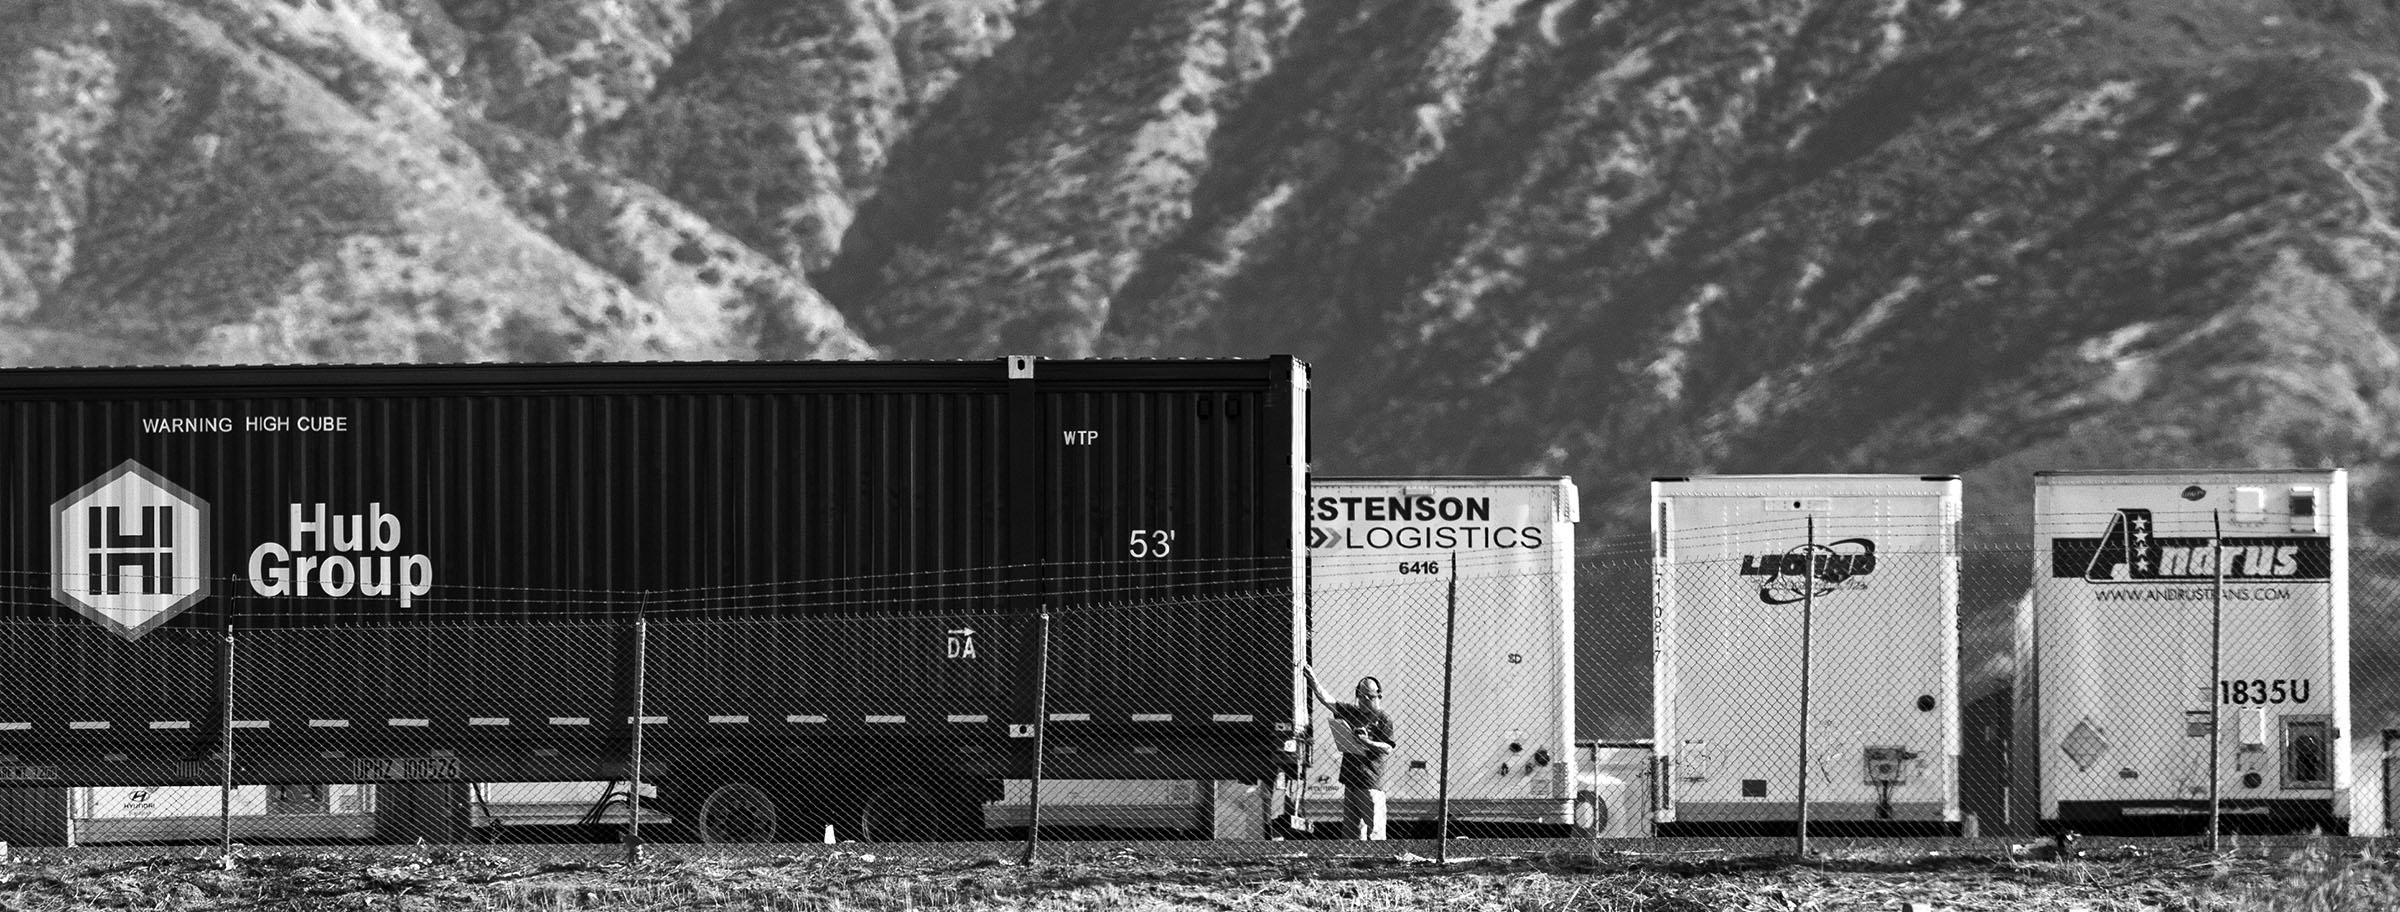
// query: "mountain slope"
[[214, 182]]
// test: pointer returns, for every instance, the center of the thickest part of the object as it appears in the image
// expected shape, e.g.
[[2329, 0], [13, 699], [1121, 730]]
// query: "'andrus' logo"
[[2131, 552]]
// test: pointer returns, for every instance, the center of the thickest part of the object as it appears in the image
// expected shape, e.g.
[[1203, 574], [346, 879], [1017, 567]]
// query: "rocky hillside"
[[1606, 238]]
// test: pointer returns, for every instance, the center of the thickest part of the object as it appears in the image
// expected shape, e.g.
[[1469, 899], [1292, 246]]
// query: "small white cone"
[[829, 834]]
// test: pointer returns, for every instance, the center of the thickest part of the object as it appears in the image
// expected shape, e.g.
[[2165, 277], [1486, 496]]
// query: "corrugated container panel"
[[808, 539], [1170, 533]]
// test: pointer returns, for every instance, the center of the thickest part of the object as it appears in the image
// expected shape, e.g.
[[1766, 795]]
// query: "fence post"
[[225, 744], [1041, 724], [1808, 607], [2390, 735], [641, 683], [1449, 667], [2216, 658]]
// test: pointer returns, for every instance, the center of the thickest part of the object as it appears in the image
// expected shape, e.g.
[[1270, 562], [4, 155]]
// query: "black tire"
[[735, 813], [725, 811], [1591, 814]]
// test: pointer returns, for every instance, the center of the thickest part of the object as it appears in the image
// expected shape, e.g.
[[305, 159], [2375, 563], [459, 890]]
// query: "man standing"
[[1363, 731]]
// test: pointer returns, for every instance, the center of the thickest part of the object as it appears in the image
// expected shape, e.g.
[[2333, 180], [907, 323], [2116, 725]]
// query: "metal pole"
[[1808, 606], [1449, 667], [2389, 735], [2216, 659], [225, 746], [2389, 738], [1041, 726], [641, 685]]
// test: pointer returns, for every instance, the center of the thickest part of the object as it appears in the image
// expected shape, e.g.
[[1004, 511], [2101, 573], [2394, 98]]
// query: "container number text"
[[1151, 542], [405, 769], [2256, 691], [1428, 568]]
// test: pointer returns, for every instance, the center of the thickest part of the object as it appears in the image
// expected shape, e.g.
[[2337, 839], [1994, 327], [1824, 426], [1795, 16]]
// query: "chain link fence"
[[1969, 684], [890, 708], [1892, 682]]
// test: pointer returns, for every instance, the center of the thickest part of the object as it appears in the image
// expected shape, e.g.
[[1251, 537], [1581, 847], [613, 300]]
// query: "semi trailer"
[[1806, 651], [1388, 556], [2187, 639], [854, 594]]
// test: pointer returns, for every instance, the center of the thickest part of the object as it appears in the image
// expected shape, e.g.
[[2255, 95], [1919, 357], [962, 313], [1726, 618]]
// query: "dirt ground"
[[2320, 875]]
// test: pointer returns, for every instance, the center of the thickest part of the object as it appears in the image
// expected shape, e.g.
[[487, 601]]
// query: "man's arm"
[[1367, 736], [1319, 692]]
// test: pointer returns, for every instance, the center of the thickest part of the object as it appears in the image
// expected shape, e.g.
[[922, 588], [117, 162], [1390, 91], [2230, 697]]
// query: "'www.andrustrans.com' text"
[[2245, 594]]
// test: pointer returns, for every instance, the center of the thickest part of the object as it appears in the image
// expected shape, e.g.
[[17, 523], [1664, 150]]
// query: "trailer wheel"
[[735, 812], [1591, 814]]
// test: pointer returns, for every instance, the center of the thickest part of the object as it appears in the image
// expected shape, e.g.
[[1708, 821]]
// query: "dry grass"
[[2315, 879], [2100, 880]]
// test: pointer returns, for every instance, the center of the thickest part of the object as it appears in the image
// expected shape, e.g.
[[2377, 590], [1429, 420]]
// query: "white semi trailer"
[[1616, 799], [1871, 561], [1384, 553], [100, 815], [2186, 629], [1385, 556]]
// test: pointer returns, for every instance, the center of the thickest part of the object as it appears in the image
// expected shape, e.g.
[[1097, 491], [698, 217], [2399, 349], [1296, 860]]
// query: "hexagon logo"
[[129, 550]]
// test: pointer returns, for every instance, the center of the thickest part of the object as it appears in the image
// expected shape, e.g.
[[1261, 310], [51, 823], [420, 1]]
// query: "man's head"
[[1370, 691]]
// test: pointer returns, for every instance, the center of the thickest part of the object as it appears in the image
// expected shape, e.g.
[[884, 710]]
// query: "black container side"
[[438, 557]]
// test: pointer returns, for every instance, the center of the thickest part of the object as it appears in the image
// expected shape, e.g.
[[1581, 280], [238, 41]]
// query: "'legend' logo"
[[129, 550], [1811, 571]]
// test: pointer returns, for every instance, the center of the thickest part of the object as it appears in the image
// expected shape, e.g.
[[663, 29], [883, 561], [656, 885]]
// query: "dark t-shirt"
[[1364, 770]]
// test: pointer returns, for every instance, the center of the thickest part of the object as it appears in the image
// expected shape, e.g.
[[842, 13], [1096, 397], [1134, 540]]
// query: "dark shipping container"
[[839, 567]]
